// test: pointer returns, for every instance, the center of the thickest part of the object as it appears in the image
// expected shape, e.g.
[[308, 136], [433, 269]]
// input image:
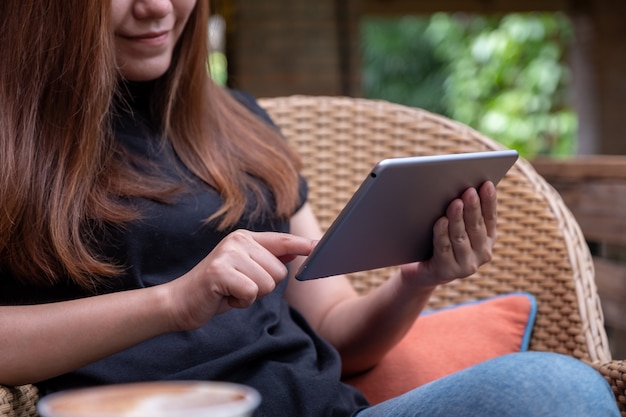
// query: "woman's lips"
[[156, 38]]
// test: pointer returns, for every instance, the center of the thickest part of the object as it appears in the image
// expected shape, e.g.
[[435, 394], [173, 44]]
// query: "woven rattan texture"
[[615, 374], [540, 248], [18, 401]]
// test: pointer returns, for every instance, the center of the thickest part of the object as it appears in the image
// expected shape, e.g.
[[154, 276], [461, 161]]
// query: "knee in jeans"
[[554, 369]]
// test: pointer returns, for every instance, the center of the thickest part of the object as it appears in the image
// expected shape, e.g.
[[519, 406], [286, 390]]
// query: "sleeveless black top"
[[268, 346]]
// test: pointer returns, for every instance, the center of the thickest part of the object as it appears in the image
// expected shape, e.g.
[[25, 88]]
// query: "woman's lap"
[[523, 384]]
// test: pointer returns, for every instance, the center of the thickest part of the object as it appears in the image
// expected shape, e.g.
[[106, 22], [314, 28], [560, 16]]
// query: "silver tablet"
[[389, 219]]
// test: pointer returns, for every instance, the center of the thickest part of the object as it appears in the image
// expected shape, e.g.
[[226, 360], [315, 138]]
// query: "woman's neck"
[[138, 98]]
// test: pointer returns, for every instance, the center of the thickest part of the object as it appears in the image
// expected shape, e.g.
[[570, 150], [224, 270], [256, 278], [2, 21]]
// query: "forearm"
[[43, 341], [363, 329]]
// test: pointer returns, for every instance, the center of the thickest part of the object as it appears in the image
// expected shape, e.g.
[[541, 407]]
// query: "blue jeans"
[[522, 384]]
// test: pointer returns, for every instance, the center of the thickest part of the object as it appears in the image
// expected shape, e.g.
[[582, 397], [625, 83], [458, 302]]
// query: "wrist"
[[416, 277], [163, 308]]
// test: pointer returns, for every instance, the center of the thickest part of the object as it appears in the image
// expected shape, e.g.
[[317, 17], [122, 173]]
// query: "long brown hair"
[[59, 178]]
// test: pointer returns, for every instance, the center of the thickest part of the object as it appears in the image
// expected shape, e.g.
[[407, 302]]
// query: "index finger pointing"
[[283, 245]]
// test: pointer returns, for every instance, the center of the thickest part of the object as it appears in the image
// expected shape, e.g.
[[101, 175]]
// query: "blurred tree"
[[504, 76], [401, 64]]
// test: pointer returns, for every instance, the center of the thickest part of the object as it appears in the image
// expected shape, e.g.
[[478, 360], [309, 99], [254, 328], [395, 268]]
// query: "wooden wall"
[[599, 63], [286, 47]]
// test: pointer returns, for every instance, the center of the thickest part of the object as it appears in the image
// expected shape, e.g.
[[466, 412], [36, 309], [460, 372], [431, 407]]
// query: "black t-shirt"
[[268, 346]]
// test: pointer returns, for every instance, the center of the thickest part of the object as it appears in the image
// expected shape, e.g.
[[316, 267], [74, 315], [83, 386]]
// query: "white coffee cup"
[[154, 399]]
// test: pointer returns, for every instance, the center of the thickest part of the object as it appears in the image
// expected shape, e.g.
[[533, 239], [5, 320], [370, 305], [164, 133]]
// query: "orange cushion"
[[448, 340]]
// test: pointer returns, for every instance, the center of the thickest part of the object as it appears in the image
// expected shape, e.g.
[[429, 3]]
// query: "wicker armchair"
[[540, 247]]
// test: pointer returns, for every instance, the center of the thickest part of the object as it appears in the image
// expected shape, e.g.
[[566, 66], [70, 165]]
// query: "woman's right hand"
[[55, 338], [243, 267]]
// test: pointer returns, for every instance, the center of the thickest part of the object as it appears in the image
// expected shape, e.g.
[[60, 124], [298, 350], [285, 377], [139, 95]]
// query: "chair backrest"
[[540, 247]]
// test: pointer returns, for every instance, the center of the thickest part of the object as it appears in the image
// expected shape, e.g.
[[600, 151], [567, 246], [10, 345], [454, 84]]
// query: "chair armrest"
[[615, 374], [18, 401]]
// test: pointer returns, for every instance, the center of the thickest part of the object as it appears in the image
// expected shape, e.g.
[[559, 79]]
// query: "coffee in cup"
[[154, 399]]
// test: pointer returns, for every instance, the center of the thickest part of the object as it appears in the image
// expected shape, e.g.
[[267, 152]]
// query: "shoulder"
[[249, 102]]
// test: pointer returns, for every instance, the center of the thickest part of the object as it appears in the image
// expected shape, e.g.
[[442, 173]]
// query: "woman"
[[143, 233]]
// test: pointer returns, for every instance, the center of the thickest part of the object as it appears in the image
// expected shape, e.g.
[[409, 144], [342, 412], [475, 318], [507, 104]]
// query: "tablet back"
[[389, 219]]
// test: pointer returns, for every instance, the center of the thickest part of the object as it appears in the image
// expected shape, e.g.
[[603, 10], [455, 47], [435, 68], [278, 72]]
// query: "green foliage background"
[[505, 76]]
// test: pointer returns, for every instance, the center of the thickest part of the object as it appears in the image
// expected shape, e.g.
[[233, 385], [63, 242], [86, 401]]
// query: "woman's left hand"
[[463, 240]]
